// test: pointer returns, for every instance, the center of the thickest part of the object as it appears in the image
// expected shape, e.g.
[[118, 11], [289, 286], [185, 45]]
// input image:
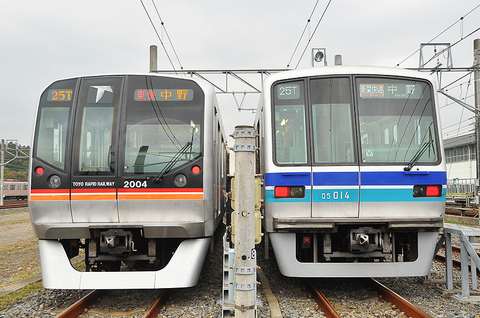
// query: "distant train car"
[[355, 179], [15, 190], [131, 169]]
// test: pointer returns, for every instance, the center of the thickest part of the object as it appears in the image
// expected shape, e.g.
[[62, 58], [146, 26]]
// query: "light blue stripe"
[[394, 195], [270, 197], [335, 195]]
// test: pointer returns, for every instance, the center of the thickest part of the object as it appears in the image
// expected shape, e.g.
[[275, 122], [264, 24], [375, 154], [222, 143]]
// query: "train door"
[[161, 154], [94, 186], [288, 183], [335, 169], [399, 148]]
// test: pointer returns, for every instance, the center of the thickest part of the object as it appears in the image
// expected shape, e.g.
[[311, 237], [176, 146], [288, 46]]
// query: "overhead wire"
[[459, 20], [301, 36], [452, 45], [456, 124], [159, 38], [315, 30], [168, 37]]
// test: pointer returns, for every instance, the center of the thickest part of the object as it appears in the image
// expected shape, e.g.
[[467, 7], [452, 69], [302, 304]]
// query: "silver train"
[[15, 190], [129, 169], [354, 170]]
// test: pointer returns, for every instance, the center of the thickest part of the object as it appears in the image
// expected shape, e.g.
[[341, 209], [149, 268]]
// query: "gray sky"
[[42, 41]]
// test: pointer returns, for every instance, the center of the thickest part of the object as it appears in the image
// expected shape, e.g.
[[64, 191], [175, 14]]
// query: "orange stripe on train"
[[111, 194], [50, 195], [161, 194]]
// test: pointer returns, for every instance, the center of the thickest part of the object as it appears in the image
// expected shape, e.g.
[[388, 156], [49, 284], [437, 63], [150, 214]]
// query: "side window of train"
[[332, 120], [289, 123]]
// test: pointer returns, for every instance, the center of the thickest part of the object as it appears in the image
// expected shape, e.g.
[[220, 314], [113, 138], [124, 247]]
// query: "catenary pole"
[[476, 64], [2, 171], [245, 253], [153, 58]]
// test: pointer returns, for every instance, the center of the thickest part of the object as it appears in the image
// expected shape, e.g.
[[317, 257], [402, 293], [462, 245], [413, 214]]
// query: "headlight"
[[180, 180], [54, 181]]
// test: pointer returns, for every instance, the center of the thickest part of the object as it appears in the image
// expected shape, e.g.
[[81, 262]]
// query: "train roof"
[[347, 69], [205, 85]]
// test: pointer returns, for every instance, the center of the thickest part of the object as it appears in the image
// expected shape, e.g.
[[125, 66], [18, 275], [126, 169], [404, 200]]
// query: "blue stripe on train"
[[403, 177], [338, 179], [369, 178], [288, 179]]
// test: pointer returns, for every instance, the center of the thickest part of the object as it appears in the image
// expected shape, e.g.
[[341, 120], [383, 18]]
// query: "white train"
[[131, 169], [354, 170]]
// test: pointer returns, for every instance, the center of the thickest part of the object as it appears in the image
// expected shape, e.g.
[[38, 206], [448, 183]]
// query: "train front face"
[[118, 168], [355, 182]]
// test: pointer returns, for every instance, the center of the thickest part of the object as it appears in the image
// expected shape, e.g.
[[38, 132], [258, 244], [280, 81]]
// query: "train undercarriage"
[[122, 249], [357, 244]]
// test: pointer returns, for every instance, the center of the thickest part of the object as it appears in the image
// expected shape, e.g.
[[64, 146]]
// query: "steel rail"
[[79, 307], [457, 264], [325, 305], [401, 303], [157, 305], [14, 204]]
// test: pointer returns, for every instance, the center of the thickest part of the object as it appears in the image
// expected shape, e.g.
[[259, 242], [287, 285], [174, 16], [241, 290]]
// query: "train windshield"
[[290, 128], [53, 123], [396, 121], [163, 124], [332, 120]]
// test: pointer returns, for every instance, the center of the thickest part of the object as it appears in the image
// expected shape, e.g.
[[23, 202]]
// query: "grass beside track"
[[7, 301]]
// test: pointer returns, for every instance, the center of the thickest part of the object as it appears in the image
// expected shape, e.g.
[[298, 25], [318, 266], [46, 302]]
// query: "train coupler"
[[116, 242], [366, 239]]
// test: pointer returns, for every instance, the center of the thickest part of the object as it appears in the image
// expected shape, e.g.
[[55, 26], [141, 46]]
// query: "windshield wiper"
[[418, 155], [172, 162]]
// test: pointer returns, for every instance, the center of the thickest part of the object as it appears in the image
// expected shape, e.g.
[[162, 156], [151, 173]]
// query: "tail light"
[[290, 192], [421, 191]]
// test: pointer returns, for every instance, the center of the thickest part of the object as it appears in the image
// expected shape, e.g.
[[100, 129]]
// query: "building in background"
[[461, 168]]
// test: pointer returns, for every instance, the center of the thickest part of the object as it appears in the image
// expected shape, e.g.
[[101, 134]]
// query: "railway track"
[[14, 204], [456, 263], [367, 296], [99, 303]]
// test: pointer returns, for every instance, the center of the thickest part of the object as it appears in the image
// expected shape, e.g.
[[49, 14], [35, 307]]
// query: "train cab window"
[[95, 127], [332, 120], [52, 129], [164, 122], [396, 121], [289, 125]]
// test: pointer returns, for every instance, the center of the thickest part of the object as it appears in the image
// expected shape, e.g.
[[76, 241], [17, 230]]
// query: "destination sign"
[[391, 91], [162, 94], [59, 95]]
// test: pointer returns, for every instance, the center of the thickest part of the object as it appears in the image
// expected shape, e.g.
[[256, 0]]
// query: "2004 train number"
[[134, 184]]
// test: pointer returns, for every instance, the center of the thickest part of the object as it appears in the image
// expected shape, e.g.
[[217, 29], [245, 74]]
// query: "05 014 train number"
[[134, 184], [335, 195]]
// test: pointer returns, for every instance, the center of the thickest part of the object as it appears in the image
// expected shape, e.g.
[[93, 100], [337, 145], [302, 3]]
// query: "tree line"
[[16, 169]]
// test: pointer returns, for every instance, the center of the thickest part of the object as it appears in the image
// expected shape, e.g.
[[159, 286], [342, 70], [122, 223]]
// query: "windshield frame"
[[428, 95], [305, 98], [155, 108]]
